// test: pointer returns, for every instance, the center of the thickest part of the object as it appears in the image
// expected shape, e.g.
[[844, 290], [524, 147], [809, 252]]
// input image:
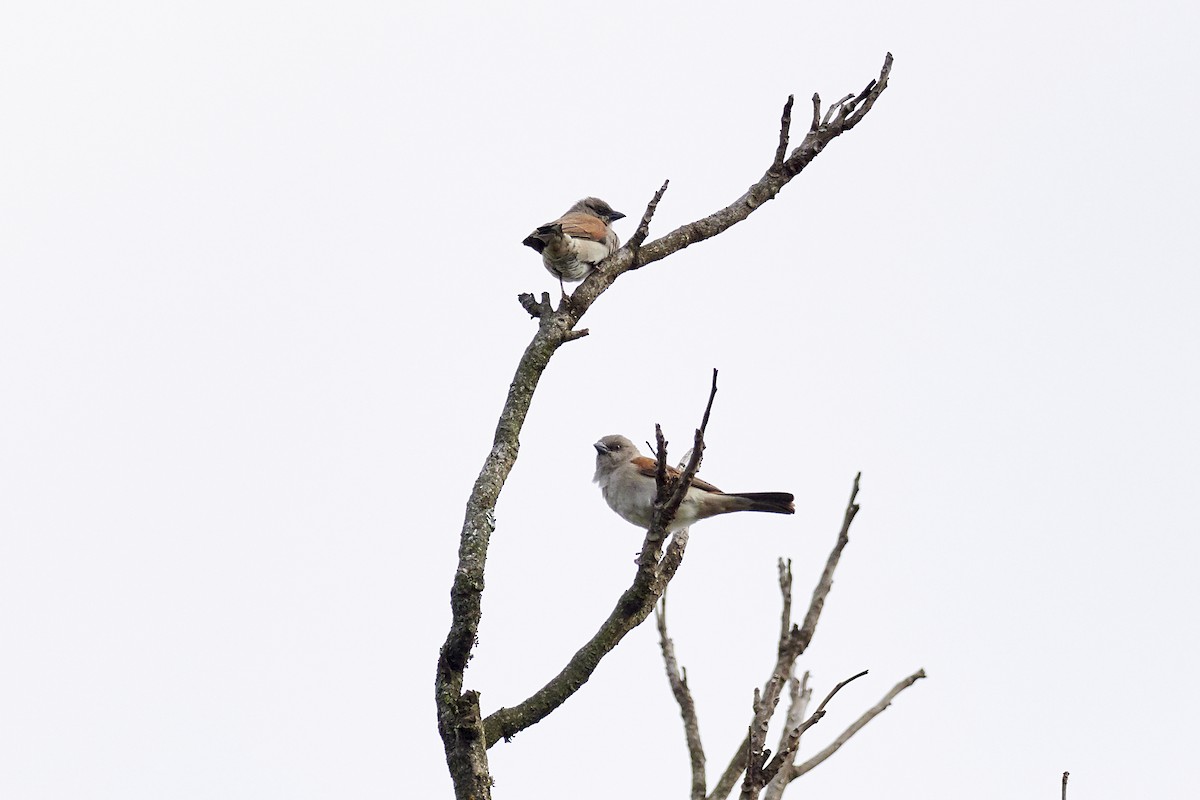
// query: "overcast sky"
[[258, 315]]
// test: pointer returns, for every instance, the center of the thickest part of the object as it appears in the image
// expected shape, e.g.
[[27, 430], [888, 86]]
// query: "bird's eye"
[[614, 446]]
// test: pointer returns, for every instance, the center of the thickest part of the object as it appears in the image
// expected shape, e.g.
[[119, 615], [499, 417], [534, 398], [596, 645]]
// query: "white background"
[[258, 315]]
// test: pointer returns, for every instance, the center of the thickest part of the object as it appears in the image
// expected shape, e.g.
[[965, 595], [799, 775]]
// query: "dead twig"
[[683, 696]]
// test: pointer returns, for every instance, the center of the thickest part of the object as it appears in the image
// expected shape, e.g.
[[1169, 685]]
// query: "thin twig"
[[1064, 792], [683, 696], [783, 759], [799, 694], [664, 513], [785, 127], [870, 95], [858, 724], [825, 584], [835, 690], [662, 494], [643, 228], [785, 589], [833, 109], [756, 752]]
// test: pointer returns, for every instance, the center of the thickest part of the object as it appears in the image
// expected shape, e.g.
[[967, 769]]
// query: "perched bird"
[[626, 479], [578, 240]]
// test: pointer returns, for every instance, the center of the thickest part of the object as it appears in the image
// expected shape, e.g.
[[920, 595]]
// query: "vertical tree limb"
[[683, 696], [799, 694]]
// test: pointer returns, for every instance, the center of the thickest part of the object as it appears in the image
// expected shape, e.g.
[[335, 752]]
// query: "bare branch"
[[693, 464], [756, 753], [785, 127], [764, 189], [1064, 791], [799, 694], [833, 109], [857, 725], [791, 741], [643, 228], [671, 490], [630, 610], [809, 627], [867, 99], [662, 486], [835, 690], [683, 696], [794, 641], [535, 308], [816, 117], [785, 589]]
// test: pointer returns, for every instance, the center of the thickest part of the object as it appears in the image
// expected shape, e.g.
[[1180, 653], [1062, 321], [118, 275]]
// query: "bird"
[[626, 479], [578, 240]]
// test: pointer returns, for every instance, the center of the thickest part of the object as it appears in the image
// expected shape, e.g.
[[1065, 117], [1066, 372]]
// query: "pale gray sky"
[[258, 316]]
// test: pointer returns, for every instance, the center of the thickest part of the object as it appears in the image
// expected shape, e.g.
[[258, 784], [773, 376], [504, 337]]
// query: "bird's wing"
[[583, 226], [648, 466]]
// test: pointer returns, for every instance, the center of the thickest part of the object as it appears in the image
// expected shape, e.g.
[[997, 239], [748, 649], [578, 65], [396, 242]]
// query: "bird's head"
[[596, 206], [611, 452]]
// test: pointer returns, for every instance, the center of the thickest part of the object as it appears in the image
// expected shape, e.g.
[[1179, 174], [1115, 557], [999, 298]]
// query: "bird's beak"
[[616, 215], [600, 448]]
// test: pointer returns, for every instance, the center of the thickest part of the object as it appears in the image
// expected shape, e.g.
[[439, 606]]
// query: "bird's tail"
[[770, 502], [543, 236]]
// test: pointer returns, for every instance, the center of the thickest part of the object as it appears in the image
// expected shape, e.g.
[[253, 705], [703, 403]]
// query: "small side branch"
[[671, 489], [785, 127], [857, 725], [693, 464], [643, 228], [571, 336], [820, 712], [783, 759], [799, 695], [536, 309], [825, 584], [683, 696], [1064, 791], [785, 589]]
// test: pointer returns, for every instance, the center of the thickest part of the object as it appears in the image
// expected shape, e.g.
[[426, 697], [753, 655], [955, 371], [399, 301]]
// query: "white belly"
[[576, 262]]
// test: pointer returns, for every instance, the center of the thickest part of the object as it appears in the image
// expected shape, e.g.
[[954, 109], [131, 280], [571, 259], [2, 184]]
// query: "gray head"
[[611, 452], [597, 207]]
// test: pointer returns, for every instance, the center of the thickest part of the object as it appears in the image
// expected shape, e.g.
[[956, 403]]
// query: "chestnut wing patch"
[[647, 466], [583, 226]]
